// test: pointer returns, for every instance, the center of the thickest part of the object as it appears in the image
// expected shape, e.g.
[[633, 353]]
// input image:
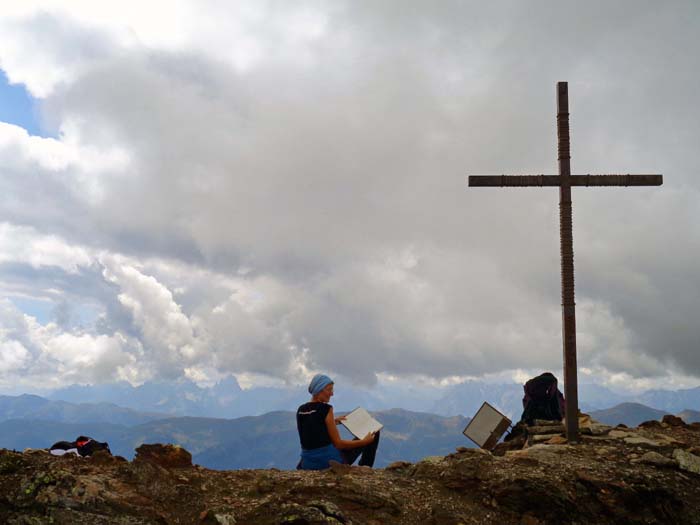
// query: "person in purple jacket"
[[320, 440]]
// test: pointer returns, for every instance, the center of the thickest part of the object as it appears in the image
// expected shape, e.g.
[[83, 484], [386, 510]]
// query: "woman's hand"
[[368, 438], [339, 419]]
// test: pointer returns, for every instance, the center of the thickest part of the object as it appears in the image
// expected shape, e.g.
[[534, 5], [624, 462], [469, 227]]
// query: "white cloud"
[[166, 331], [20, 244], [77, 35], [276, 188], [13, 356], [49, 183], [46, 356], [96, 358]]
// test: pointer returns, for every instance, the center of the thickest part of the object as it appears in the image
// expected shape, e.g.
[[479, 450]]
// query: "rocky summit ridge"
[[649, 474]]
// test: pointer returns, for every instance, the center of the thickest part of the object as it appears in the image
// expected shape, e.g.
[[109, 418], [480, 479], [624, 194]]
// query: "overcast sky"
[[273, 188]]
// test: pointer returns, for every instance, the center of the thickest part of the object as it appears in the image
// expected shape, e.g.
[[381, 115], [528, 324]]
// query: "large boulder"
[[673, 421], [166, 456]]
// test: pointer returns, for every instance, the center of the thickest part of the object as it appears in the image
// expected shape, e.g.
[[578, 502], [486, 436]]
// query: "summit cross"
[[565, 180]]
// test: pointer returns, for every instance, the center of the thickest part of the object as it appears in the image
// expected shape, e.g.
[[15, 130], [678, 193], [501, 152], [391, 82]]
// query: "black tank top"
[[311, 423]]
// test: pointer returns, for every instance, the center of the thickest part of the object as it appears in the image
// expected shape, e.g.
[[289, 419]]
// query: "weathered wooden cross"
[[565, 180]]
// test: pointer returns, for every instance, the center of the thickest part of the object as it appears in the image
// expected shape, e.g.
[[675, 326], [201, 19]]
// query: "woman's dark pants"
[[366, 453]]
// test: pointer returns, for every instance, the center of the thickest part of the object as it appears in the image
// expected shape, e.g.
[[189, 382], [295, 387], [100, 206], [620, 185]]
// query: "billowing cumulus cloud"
[[13, 356], [23, 245], [48, 356], [276, 188]]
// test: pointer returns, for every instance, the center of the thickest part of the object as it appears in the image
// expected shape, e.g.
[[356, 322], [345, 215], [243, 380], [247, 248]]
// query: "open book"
[[360, 423]]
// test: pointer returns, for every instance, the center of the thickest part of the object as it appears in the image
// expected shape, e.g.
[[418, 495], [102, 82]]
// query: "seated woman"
[[320, 440]]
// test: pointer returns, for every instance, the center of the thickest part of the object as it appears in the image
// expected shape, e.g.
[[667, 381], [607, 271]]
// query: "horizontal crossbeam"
[[555, 180]]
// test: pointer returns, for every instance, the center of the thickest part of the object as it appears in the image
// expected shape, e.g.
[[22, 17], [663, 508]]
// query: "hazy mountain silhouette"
[[690, 416], [29, 406], [672, 401], [631, 414], [265, 441], [466, 398], [227, 399]]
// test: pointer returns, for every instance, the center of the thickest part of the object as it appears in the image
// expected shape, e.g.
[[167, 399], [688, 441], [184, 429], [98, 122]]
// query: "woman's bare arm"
[[340, 443]]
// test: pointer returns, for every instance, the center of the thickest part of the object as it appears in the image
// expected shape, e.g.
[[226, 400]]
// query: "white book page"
[[360, 423]]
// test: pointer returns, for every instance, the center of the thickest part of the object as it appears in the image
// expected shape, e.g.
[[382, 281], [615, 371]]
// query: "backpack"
[[87, 446], [82, 446], [542, 399]]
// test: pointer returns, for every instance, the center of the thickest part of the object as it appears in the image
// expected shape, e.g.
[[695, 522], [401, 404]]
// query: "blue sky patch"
[[40, 309], [18, 107], [46, 311]]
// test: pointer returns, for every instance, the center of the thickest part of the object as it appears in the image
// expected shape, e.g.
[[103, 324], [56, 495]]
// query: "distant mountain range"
[[466, 398], [29, 406], [690, 416], [228, 400], [672, 401], [631, 414], [265, 441], [255, 428]]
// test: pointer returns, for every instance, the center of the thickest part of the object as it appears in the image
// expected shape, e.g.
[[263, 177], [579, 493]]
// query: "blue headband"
[[318, 383]]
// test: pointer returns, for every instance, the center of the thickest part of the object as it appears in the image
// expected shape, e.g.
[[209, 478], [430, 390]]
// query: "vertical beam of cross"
[[566, 242], [565, 180]]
